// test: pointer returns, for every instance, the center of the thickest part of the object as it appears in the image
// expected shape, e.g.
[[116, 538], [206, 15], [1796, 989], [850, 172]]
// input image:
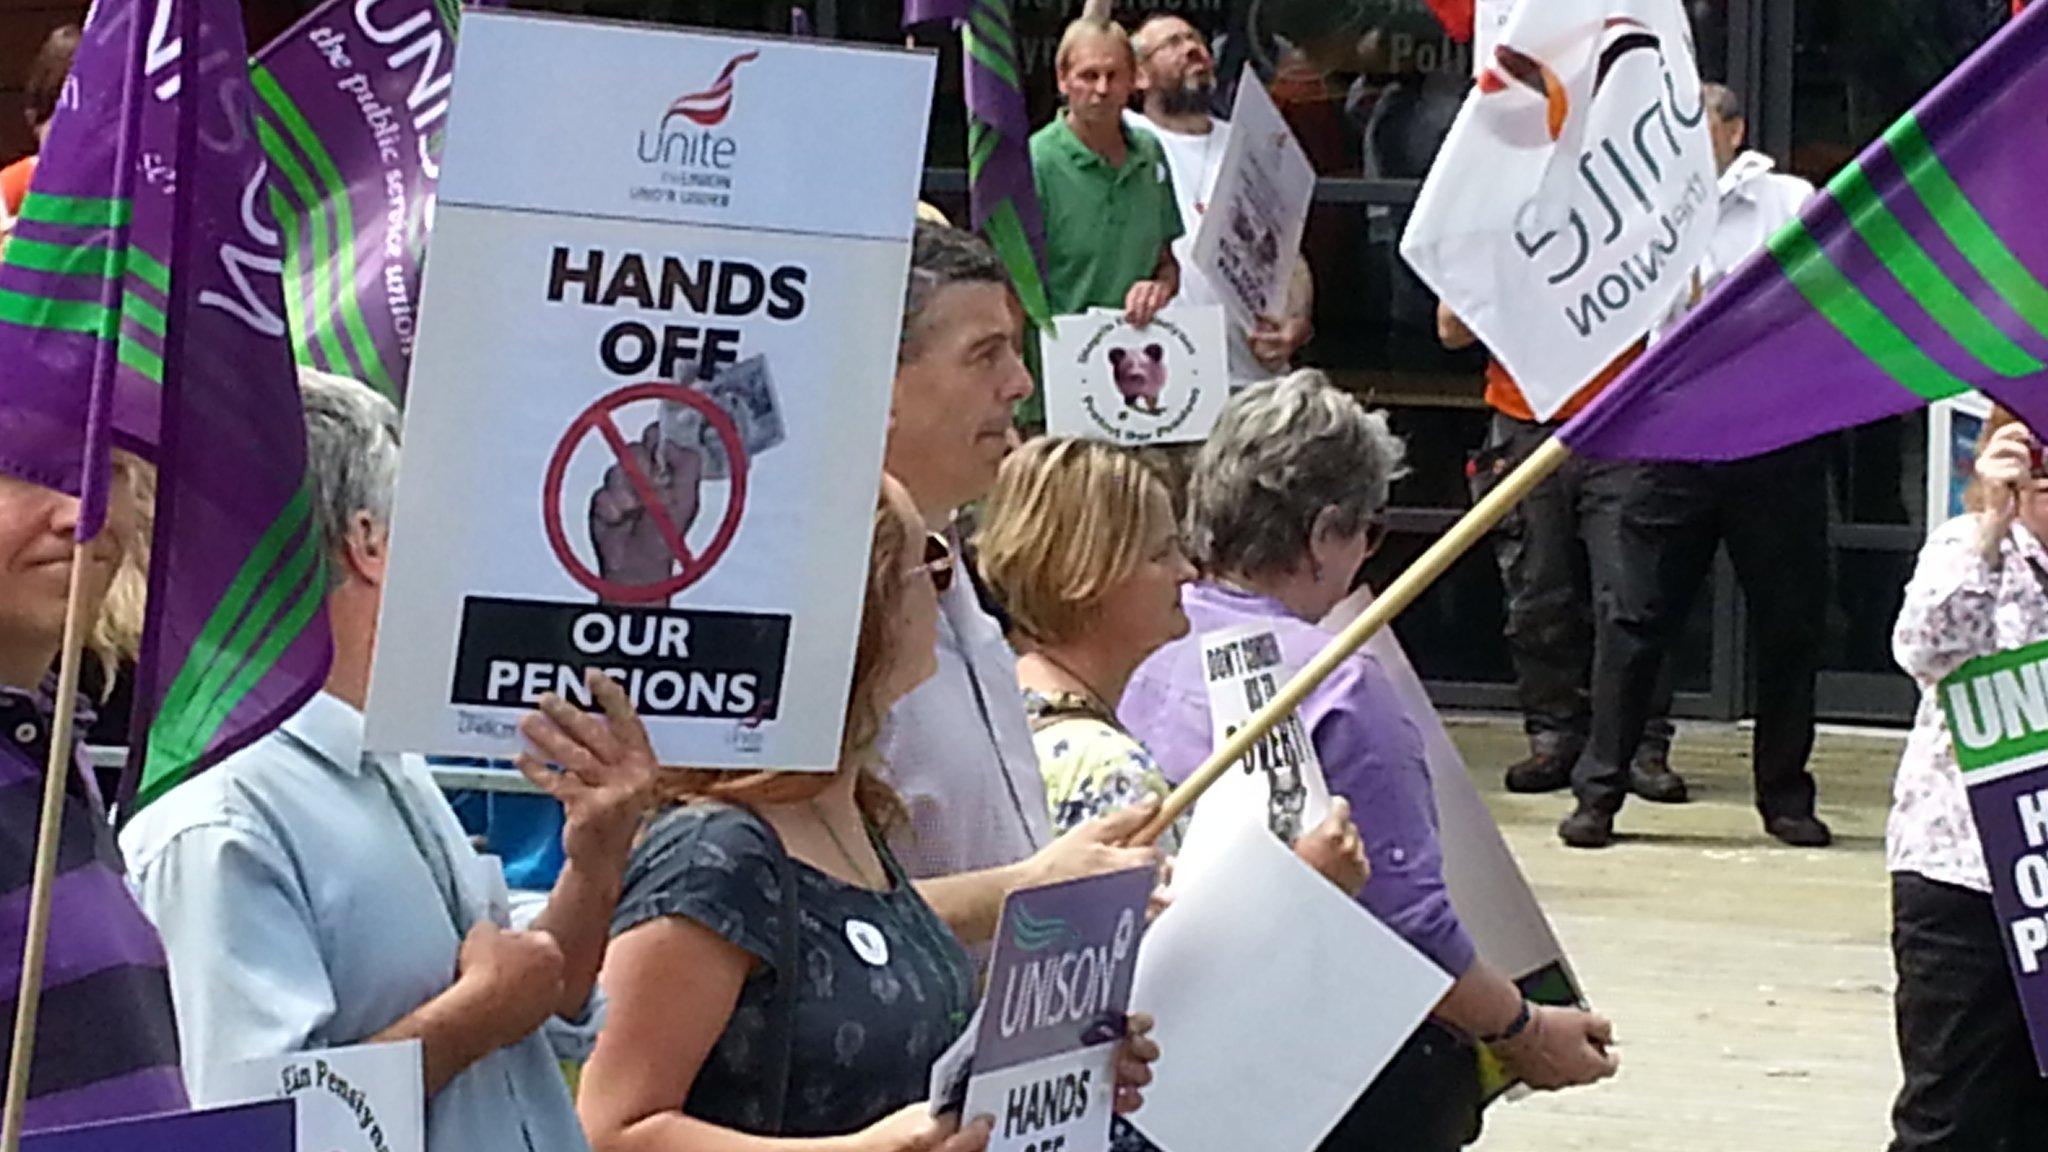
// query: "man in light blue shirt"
[[312, 896]]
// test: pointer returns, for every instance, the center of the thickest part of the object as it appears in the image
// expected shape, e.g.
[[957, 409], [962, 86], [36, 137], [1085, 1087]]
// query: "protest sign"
[[263, 1127], [1250, 235], [1575, 193], [365, 1098], [645, 429], [1487, 887], [1283, 777], [1161, 384], [1044, 1059], [1277, 999], [1997, 711], [351, 103]]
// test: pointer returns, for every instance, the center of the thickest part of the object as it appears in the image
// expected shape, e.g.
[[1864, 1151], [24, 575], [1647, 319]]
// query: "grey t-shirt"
[[883, 986]]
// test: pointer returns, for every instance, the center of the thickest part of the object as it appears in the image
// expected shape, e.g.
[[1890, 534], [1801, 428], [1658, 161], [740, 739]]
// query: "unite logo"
[[683, 138], [709, 108]]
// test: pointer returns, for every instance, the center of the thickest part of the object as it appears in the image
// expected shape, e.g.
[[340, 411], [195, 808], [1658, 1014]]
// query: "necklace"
[[860, 872], [1095, 698]]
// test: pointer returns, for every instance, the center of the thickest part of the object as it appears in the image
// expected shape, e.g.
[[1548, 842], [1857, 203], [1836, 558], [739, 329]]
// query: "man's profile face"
[[950, 416], [1096, 79]]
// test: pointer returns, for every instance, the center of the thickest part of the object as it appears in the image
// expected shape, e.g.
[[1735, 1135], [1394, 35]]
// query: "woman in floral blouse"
[[1079, 543], [1981, 586]]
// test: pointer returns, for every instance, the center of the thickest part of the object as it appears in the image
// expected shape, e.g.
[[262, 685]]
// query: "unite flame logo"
[[710, 107], [1619, 36]]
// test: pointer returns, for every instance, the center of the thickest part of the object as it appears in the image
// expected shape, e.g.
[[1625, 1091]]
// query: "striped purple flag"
[[1918, 275], [140, 304], [1002, 198], [84, 282], [236, 638]]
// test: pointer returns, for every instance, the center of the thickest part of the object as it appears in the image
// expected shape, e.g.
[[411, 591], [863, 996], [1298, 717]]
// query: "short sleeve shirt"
[[883, 986], [1104, 225]]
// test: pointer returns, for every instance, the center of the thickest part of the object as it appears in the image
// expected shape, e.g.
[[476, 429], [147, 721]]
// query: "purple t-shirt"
[[1372, 755]]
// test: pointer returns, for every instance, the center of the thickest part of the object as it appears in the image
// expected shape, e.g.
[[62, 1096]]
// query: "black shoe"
[[1587, 828], [1540, 773], [1799, 831], [1654, 781]]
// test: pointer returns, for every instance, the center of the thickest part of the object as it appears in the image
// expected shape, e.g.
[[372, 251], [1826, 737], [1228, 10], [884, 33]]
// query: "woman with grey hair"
[[1283, 506]]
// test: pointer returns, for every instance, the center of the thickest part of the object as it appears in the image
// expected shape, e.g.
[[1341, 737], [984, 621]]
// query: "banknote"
[[746, 393]]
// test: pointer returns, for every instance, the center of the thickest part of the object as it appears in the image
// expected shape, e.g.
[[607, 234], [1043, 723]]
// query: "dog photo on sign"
[[1109, 380]]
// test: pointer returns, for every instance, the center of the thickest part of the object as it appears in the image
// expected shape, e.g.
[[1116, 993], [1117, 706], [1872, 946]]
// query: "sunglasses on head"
[[938, 562]]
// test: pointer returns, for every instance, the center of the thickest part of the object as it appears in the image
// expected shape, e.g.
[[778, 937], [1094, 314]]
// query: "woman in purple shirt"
[[1282, 506]]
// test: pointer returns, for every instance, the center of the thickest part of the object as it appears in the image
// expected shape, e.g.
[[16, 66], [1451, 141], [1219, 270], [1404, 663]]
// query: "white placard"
[[1161, 384], [1250, 235], [1281, 780], [1277, 1000], [1486, 884], [1575, 193], [646, 412], [366, 1098]]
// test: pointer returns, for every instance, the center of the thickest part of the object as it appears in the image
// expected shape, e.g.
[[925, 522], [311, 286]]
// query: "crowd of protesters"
[[1016, 713]]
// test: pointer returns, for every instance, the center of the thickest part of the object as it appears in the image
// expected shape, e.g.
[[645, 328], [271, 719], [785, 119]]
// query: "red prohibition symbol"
[[598, 418]]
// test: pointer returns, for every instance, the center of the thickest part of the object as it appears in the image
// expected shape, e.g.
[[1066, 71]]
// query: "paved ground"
[[1749, 983]]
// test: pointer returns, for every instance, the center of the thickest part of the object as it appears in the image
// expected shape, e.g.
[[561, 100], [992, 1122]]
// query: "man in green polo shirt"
[[1110, 213]]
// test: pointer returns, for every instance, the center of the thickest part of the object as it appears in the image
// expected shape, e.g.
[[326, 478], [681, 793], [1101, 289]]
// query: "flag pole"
[[56, 772], [1405, 590]]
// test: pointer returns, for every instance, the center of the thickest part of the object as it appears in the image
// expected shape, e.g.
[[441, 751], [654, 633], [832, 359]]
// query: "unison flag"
[[84, 281], [351, 101], [1575, 191], [1001, 196], [236, 638], [1920, 273]]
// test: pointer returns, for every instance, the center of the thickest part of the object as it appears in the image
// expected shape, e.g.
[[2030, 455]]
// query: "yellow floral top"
[[1091, 765]]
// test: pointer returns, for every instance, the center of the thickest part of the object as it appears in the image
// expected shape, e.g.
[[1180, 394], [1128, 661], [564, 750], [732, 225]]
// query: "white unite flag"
[[1575, 193]]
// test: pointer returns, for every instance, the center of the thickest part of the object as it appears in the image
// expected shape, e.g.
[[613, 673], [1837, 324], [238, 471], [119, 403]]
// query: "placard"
[[1164, 383], [265, 1127], [1044, 1060], [363, 1098], [1282, 777], [1997, 712], [1250, 235], [647, 404]]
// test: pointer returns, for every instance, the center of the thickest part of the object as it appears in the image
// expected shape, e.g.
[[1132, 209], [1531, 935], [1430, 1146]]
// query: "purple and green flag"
[[1919, 274], [84, 281], [351, 102], [1002, 198], [140, 302]]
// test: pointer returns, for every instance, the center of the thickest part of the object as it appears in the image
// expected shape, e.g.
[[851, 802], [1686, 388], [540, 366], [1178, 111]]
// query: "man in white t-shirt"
[[1177, 82]]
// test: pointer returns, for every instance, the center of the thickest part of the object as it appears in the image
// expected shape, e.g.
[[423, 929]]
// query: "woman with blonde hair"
[[775, 981], [1979, 587], [1080, 544]]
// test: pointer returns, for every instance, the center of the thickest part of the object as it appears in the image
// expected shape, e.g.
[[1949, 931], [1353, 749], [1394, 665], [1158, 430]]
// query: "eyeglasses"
[[938, 563]]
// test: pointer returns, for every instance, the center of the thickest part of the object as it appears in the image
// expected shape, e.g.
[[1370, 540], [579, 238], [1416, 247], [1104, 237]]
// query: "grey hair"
[[352, 439], [1283, 451], [940, 257], [1726, 104]]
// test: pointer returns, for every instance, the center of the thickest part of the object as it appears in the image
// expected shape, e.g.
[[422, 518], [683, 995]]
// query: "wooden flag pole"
[[1546, 459], [57, 771]]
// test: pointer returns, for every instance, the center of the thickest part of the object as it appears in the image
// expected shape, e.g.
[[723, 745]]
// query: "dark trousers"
[[1427, 1100], [1971, 1083], [1772, 513], [1555, 549]]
